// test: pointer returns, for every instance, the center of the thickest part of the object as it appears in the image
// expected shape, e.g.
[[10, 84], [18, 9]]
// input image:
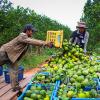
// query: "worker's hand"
[[49, 44]]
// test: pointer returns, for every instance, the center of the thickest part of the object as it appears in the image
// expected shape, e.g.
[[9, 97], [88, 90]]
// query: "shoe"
[[18, 88]]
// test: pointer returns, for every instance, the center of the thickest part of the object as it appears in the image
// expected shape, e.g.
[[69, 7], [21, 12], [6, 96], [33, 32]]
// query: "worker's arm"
[[35, 42], [25, 39], [75, 40], [73, 37], [86, 41]]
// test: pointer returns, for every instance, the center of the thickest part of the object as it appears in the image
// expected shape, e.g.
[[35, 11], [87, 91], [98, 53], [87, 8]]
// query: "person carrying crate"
[[80, 36], [12, 52]]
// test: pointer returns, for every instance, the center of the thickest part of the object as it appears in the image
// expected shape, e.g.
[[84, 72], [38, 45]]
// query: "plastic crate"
[[79, 98], [1, 70], [97, 60], [54, 93], [7, 76], [56, 37], [44, 73], [57, 85], [23, 94], [87, 88], [29, 86], [20, 74], [98, 87], [85, 99]]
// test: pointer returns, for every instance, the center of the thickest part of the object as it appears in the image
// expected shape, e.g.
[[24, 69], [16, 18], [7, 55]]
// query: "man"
[[80, 36], [12, 52]]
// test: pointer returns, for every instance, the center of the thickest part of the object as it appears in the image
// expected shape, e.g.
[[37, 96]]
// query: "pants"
[[13, 68]]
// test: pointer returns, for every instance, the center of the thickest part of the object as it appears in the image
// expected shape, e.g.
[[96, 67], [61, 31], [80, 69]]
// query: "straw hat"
[[81, 25]]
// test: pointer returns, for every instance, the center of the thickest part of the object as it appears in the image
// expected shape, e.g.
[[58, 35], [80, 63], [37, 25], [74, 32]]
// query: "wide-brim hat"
[[81, 25]]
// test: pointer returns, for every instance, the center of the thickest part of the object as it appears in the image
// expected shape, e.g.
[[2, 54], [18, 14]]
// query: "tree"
[[92, 18], [5, 6], [12, 21]]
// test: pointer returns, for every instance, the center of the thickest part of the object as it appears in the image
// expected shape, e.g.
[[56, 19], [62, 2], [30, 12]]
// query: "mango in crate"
[[27, 98], [28, 93], [70, 94], [34, 96], [43, 93], [81, 95]]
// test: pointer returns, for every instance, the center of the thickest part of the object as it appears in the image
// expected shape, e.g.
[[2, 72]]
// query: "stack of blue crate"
[[20, 74]]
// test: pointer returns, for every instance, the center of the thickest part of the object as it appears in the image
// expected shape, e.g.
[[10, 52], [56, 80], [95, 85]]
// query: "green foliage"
[[4, 8], [31, 60], [92, 18], [13, 20]]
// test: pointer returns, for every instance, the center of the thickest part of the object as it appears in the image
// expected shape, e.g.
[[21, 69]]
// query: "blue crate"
[[88, 88], [99, 81], [1, 70], [57, 85], [28, 87], [23, 94], [7, 76], [55, 98], [44, 73], [85, 98], [54, 93], [20, 74], [97, 60], [98, 88]]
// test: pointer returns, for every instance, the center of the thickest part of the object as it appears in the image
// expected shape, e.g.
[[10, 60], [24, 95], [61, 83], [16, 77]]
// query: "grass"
[[32, 60]]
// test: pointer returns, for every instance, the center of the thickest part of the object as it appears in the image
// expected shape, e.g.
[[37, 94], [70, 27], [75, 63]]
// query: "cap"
[[29, 27]]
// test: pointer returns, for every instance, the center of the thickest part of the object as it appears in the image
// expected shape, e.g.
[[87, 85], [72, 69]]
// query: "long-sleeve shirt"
[[80, 38], [16, 47]]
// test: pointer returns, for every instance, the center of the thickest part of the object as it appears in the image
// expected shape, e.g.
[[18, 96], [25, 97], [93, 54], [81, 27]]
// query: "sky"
[[66, 12]]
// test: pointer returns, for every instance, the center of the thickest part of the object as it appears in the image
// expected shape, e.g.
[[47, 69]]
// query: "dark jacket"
[[80, 39]]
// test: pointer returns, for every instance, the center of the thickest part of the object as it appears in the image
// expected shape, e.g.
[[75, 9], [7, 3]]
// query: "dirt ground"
[[34, 70], [31, 71]]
